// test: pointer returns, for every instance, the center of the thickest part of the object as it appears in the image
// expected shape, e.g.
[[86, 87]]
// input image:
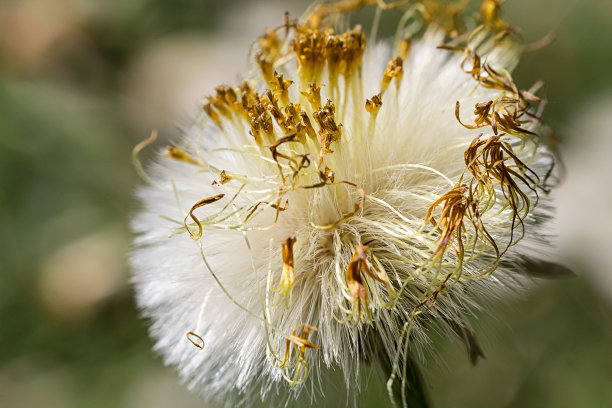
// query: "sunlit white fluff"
[[415, 155]]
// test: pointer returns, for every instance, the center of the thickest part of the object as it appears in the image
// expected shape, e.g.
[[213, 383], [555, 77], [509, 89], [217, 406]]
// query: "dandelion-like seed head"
[[341, 199]]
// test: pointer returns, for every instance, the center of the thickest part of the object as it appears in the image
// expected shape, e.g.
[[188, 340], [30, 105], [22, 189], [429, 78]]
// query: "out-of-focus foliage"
[[82, 81]]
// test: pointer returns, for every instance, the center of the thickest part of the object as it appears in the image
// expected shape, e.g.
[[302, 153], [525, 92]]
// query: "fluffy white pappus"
[[299, 227]]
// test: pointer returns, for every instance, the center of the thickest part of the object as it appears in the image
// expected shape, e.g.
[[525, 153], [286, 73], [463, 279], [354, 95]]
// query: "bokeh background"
[[83, 81]]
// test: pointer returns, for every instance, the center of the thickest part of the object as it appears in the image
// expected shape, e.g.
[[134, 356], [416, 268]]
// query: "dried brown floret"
[[329, 131], [373, 105], [281, 88], [224, 99], [486, 75], [300, 343], [223, 178], [353, 47], [248, 97], [313, 95], [404, 46], [305, 122], [335, 57], [293, 121], [293, 112], [490, 12], [271, 105], [261, 122], [266, 65], [179, 155], [394, 70], [226, 94], [486, 160], [309, 48], [329, 174], [455, 204], [270, 44], [355, 282], [458, 204], [212, 113], [504, 115], [288, 274]]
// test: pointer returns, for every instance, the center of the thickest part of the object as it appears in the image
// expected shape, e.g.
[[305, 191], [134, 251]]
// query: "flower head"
[[341, 199]]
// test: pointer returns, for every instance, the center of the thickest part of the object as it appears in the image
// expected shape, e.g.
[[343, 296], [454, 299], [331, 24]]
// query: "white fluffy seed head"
[[329, 209]]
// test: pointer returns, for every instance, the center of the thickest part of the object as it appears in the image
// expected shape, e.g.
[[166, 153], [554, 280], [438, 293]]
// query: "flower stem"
[[415, 392]]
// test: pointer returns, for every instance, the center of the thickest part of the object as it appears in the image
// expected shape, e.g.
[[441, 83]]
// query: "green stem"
[[415, 392]]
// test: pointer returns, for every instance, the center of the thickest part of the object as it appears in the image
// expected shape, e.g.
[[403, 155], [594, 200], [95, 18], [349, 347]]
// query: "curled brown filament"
[[276, 206], [195, 339], [201, 203], [276, 154]]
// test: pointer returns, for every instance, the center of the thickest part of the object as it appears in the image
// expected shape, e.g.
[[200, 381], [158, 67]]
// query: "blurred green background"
[[82, 81]]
